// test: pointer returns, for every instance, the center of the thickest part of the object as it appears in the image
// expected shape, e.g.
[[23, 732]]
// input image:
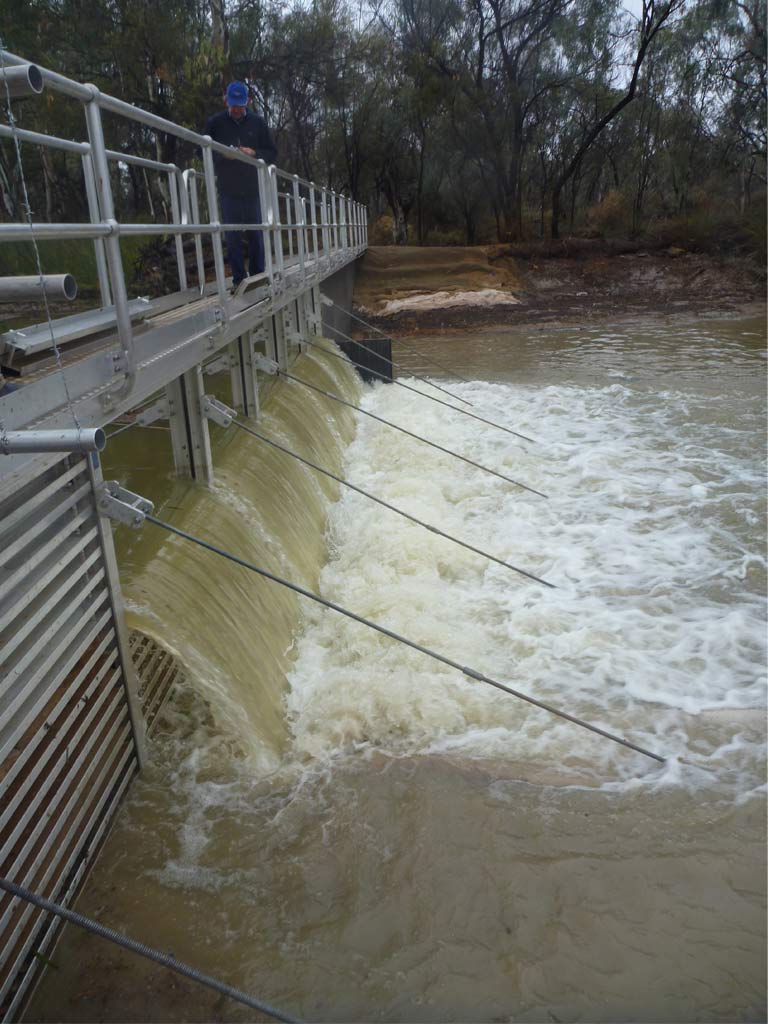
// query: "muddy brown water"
[[373, 839]]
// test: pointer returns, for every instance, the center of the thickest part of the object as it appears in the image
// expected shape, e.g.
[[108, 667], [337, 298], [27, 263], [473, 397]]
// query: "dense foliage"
[[455, 120]]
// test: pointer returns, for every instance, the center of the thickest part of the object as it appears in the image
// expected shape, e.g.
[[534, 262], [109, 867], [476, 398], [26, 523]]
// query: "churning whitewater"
[[655, 630]]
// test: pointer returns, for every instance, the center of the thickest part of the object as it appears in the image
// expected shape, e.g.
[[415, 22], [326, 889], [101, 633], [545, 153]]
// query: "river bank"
[[412, 290]]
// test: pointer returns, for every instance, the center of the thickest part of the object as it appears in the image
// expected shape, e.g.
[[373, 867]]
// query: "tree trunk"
[[650, 23]]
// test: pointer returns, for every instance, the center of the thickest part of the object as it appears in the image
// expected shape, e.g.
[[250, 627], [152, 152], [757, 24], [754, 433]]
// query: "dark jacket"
[[236, 178]]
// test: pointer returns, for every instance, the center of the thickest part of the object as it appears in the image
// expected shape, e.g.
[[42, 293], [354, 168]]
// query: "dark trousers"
[[243, 210]]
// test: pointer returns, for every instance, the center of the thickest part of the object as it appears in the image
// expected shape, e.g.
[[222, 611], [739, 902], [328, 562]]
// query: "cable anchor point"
[[216, 411], [118, 503]]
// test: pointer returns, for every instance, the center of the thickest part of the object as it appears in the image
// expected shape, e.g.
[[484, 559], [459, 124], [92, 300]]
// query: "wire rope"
[[464, 669], [165, 959]]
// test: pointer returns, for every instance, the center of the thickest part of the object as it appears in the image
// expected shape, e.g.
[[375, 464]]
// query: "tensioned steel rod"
[[405, 344], [164, 959], [383, 376], [385, 504], [418, 437], [464, 669], [400, 366]]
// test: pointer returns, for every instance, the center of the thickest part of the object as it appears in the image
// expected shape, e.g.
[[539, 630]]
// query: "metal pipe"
[[26, 232], [38, 138], [265, 206], [299, 220], [35, 286], [213, 217], [189, 179], [58, 82], [176, 200], [20, 81], [16, 442], [98, 244], [114, 256]]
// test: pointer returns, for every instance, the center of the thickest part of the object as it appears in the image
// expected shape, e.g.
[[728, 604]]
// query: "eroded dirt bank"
[[396, 286]]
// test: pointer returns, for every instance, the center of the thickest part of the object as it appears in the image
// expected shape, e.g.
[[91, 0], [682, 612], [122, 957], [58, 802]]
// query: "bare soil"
[[569, 285]]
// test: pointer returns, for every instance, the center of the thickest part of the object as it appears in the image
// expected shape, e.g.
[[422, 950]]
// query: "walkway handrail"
[[339, 239]]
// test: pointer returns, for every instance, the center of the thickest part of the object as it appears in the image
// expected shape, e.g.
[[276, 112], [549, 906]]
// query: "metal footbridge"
[[78, 693]]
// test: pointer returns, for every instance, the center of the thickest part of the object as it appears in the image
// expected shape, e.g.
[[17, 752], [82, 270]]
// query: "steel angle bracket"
[[158, 411], [265, 365], [216, 411], [118, 503]]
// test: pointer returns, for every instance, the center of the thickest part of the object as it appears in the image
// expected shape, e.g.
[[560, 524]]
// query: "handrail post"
[[173, 191], [313, 208], [334, 224], [274, 199], [190, 181], [298, 212], [267, 218], [324, 221], [98, 243], [213, 219], [343, 218], [112, 241]]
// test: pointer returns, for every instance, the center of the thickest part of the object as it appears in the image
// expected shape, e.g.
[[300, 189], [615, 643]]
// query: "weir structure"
[[78, 693]]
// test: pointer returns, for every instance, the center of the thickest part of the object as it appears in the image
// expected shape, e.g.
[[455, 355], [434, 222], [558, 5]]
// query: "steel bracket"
[[217, 365], [216, 411], [158, 411], [118, 503], [265, 365]]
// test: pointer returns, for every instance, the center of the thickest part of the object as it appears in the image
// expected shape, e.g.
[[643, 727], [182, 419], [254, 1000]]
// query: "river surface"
[[353, 832]]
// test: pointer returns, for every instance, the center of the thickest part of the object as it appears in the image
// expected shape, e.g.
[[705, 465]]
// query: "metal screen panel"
[[68, 738], [158, 671]]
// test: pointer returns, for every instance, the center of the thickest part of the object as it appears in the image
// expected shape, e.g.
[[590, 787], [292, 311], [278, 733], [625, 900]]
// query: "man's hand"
[[247, 151]]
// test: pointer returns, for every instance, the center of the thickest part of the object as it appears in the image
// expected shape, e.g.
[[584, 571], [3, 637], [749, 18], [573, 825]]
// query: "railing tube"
[[98, 244], [343, 214], [277, 225], [324, 222], [265, 206], [313, 208], [334, 224], [301, 220], [111, 242], [213, 218], [173, 191], [189, 179]]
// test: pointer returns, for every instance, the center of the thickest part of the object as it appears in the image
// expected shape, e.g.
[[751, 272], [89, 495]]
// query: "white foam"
[[648, 534]]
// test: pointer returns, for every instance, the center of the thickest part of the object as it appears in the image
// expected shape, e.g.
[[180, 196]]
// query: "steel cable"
[[400, 384], [165, 959], [424, 380], [385, 504], [418, 437], [464, 669], [405, 345]]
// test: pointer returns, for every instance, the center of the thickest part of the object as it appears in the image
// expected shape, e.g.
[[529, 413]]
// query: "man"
[[239, 128]]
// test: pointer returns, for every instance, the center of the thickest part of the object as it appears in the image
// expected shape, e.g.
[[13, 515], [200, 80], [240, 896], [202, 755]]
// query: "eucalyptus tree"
[[654, 16]]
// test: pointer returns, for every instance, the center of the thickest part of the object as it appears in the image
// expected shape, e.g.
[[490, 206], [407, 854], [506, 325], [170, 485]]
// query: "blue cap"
[[237, 94]]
